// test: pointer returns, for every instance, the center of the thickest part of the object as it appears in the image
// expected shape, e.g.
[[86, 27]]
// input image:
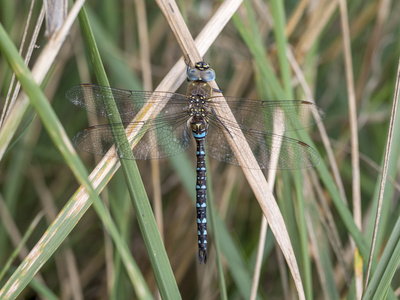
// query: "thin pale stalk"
[[355, 160], [260, 251]]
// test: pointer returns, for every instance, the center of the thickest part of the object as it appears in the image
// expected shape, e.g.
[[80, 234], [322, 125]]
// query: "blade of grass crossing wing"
[[154, 245]]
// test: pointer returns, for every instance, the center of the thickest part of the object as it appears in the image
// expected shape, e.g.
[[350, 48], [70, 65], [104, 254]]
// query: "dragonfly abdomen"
[[199, 127], [201, 197]]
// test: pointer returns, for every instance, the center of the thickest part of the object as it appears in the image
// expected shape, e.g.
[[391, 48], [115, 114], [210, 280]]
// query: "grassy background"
[[34, 177]]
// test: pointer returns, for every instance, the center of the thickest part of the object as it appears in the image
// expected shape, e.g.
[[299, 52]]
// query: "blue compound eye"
[[193, 74], [208, 75]]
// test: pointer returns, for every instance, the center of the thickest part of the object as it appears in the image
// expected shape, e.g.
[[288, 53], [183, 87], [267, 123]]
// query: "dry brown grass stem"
[[355, 160], [242, 151]]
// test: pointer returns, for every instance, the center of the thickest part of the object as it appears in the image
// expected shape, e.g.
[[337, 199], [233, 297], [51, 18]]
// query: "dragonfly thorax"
[[198, 106], [197, 89]]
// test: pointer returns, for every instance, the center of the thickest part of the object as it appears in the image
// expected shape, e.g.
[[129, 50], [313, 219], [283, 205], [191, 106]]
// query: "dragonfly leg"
[[218, 90]]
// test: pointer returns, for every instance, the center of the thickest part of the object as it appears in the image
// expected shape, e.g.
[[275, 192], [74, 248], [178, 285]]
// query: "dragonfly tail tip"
[[203, 256]]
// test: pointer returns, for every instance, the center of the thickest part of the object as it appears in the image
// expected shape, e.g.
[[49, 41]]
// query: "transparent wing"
[[93, 97], [161, 139], [250, 114], [267, 148], [168, 133], [264, 115]]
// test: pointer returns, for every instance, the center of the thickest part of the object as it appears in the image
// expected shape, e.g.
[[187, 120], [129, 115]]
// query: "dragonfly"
[[194, 115]]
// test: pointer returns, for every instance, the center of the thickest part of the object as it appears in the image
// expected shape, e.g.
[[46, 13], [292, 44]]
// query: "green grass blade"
[[154, 245], [380, 284]]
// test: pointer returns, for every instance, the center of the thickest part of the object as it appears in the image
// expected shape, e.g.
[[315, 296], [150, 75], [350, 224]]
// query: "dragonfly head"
[[202, 65], [201, 72]]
